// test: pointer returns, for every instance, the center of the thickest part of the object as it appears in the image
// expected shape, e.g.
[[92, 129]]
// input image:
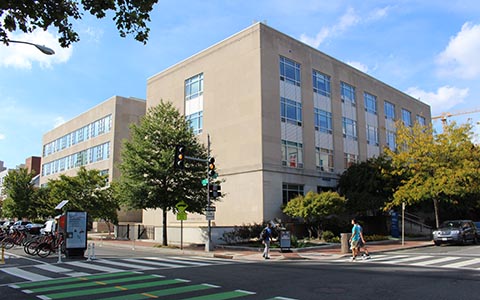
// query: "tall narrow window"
[[372, 135], [290, 191], [349, 128], [289, 71], [323, 121], [406, 117], [370, 103], [421, 120], [196, 122], [321, 83], [194, 87], [324, 159], [347, 92], [389, 111], [291, 111], [292, 154]]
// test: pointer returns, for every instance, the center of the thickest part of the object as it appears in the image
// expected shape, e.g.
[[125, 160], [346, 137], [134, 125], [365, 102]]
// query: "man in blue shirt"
[[266, 240], [355, 238]]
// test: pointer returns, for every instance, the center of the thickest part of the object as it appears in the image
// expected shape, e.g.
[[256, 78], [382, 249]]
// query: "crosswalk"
[[452, 262], [77, 268]]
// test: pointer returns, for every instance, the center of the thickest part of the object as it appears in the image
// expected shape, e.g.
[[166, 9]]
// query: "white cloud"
[[442, 100], [346, 21], [359, 66], [460, 58], [2, 136], [23, 56], [59, 121]]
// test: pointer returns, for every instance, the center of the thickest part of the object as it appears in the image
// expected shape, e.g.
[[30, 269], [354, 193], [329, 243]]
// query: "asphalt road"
[[223, 279]]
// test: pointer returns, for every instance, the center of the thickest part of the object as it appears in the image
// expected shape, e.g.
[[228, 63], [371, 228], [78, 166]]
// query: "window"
[[321, 83], [289, 71], [406, 117], [391, 140], [347, 92], [372, 135], [324, 159], [196, 122], [290, 191], [349, 128], [291, 111], [350, 159], [421, 120], [194, 87], [323, 121], [370, 103], [292, 154], [389, 111]]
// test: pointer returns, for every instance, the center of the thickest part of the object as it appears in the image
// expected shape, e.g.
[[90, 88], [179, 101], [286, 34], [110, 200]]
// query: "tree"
[[435, 167], [315, 208], [130, 16], [149, 179], [366, 187], [87, 191], [20, 194]]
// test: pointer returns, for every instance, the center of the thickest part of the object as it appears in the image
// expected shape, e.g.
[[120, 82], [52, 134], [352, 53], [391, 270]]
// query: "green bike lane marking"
[[69, 279], [222, 296], [161, 293], [91, 283], [111, 289]]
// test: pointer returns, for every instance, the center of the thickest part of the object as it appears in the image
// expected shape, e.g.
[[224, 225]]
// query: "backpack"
[[263, 234]]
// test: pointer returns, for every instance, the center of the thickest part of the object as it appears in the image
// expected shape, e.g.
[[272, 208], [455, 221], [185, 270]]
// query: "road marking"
[[53, 268], [25, 274], [150, 261], [464, 263], [434, 261], [183, 261], [222, 296], [120, 264], [93, 266], [162, 293], [402, 260]]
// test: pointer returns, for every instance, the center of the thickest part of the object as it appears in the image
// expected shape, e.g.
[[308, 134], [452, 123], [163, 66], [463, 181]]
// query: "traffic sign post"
[[181, 216]]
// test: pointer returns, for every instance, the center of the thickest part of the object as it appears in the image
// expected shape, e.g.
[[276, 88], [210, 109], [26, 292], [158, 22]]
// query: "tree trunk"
[[435, 208], [164, 242]]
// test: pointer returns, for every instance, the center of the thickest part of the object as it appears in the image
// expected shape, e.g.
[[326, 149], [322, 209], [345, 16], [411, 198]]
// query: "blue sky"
[[428, 49]]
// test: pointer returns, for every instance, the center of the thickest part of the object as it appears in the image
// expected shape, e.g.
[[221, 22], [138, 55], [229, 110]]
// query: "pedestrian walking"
[[266, 237], [355, 238]]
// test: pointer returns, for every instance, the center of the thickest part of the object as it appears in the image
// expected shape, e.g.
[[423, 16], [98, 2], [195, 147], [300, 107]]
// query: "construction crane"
[[443, 117]]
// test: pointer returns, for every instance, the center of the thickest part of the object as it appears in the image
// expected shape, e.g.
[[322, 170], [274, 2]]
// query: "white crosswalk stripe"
[[46, 271]]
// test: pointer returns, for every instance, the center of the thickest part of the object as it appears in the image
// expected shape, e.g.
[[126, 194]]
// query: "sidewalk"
[[315, 253]]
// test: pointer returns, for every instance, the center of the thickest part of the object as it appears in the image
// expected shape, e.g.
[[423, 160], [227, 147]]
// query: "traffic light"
[[211, 167], [214, 191], [179, 161]]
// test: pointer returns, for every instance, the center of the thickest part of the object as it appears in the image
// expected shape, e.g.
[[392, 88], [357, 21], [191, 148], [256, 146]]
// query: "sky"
[[428, 49]]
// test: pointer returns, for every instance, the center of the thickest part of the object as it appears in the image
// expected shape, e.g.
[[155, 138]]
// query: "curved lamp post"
[[44, 49]]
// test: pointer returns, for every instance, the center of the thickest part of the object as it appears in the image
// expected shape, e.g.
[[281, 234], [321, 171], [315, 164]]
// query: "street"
[[120, 273]]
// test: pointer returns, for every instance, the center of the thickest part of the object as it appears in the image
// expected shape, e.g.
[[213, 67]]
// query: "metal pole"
[[208, 246], [181, 234], [403, 223]]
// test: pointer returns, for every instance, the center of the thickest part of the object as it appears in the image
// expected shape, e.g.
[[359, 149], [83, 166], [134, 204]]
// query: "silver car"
[[456, 231]]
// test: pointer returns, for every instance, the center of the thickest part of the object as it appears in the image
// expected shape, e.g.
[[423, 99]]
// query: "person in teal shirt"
[[355, 238]]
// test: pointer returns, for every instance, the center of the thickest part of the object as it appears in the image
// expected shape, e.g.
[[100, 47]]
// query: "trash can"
[[285, 241], [344, 238]]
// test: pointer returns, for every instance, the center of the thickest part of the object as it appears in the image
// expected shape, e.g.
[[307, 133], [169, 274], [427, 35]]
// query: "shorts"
[[354, 244]]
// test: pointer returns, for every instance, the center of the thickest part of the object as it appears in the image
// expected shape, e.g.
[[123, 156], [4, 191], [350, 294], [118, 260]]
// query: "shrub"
[[327, 236]]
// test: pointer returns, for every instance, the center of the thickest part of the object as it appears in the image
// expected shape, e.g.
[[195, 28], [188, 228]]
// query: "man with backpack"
[[266, 237]]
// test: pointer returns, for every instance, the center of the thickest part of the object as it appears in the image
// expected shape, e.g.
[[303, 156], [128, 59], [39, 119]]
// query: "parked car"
[[478, 228], [456, 231], [20, 225]]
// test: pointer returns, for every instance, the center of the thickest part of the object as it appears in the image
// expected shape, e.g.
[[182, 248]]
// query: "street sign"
[[210, 208], [181, 216], [181, 206], [210, 215]]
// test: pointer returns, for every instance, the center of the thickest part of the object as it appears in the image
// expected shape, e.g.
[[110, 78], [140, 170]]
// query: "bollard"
[[89, 252], [344, 237], [2, 261], [59, 261], [93, 251]]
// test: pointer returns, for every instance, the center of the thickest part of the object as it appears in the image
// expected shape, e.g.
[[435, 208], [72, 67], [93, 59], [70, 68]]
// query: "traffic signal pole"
[[208, 245]]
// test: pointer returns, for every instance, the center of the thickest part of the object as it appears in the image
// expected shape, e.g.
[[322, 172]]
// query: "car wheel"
[[437, 243]]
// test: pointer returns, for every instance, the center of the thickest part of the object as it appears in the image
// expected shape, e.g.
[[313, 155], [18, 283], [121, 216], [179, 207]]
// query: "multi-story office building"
[[283, 117], [3, 174], [93, 140]]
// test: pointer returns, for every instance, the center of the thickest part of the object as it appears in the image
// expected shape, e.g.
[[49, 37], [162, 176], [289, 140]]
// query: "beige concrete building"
[[283, 117], [94, 140]]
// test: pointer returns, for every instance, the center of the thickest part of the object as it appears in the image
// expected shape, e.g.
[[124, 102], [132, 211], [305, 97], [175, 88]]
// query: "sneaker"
[[267, 257], [352, 259], [366, 257]]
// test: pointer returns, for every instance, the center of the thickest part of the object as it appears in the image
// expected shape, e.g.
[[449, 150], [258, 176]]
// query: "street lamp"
[[44, 49]]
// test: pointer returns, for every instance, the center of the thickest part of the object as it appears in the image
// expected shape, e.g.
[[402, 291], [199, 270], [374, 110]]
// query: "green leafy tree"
[[130, 17], [435, 167], [20, 194], [149, 180], [315, 208], [366, 187], [87, 191]]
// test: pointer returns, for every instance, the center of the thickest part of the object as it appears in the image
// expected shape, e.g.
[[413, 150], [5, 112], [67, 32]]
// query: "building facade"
[[93, 140], [283, 118]]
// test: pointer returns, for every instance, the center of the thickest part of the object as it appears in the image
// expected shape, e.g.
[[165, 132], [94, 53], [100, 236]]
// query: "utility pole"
[[208, 245]]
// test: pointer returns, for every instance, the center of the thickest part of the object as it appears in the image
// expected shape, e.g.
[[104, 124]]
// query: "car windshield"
[[451, 224]]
